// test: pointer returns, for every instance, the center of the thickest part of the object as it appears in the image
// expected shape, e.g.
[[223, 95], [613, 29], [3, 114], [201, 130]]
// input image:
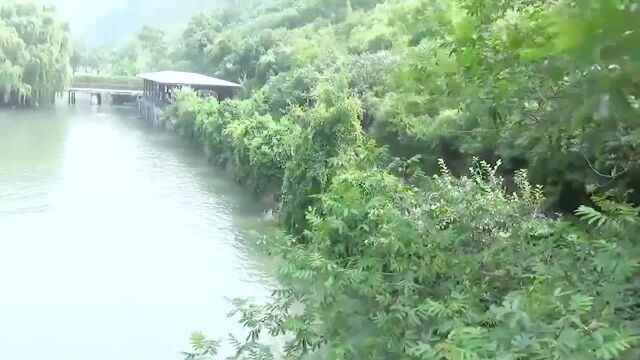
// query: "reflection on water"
[[115, 241]]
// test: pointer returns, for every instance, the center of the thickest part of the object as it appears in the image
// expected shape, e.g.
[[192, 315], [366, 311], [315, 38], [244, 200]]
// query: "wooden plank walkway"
[[106, 91]]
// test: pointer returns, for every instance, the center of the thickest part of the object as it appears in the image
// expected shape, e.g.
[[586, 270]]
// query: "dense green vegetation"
[[35, 53], [394, 133], [456, 178]]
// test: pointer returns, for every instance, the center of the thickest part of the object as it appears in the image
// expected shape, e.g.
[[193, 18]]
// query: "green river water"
[[116, 241]]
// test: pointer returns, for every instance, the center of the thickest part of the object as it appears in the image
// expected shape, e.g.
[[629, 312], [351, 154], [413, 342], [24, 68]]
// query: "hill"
[[109, 23]]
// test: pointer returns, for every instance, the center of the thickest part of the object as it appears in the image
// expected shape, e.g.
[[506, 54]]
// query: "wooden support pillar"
[[99, 98]]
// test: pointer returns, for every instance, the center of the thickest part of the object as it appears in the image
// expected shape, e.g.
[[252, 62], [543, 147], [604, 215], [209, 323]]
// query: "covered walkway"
[[159, 87]]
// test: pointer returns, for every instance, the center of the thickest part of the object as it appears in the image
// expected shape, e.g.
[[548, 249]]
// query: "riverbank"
[[377, 253], [220, 149]]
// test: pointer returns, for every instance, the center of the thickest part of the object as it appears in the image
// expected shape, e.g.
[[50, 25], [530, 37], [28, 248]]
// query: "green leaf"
[[569, 338]]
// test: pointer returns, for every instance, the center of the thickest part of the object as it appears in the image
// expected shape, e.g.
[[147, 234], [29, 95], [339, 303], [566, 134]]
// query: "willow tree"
[[35, 53]]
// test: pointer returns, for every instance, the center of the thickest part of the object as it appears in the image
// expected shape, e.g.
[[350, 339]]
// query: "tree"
[[78, 56], [97, 59], [35, 53], [128, 59], [154, 42]]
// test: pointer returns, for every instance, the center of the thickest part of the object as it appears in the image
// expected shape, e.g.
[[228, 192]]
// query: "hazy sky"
[[83, 13], [109, 22]]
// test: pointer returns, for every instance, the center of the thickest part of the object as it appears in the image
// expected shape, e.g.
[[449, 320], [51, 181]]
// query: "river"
[[116, 241]]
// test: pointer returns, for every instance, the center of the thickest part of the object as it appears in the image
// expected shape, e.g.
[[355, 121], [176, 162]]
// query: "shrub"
[[454, 268]]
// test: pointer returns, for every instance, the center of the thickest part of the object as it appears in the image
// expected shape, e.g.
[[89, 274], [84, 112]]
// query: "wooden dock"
[[99, 92]]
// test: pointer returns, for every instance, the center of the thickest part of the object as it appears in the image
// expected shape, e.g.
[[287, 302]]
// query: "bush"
[[440, 267], [454, 268], [388, 254]]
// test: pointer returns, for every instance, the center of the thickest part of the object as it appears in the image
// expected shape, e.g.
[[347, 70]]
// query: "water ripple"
[[119, 231]]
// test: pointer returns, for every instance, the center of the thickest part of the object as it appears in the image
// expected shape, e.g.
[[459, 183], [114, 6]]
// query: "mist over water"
[[116, 241]]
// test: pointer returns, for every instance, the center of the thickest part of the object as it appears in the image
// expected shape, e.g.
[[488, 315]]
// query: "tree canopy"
[[451, 79], [456, 178], [35, 53]]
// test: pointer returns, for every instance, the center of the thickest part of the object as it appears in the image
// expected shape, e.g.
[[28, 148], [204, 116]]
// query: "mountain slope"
[[109, 23]]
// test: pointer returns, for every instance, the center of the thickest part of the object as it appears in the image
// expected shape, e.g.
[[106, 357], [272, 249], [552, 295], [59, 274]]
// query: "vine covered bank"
[[392, 254]]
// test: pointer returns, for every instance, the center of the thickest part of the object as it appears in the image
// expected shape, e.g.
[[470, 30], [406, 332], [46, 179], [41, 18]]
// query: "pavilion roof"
[[186, 78]]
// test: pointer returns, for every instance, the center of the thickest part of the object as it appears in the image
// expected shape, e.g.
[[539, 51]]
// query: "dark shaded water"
[[115, 241]]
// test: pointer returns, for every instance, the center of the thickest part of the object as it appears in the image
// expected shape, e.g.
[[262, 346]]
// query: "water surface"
[[116, 241]]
